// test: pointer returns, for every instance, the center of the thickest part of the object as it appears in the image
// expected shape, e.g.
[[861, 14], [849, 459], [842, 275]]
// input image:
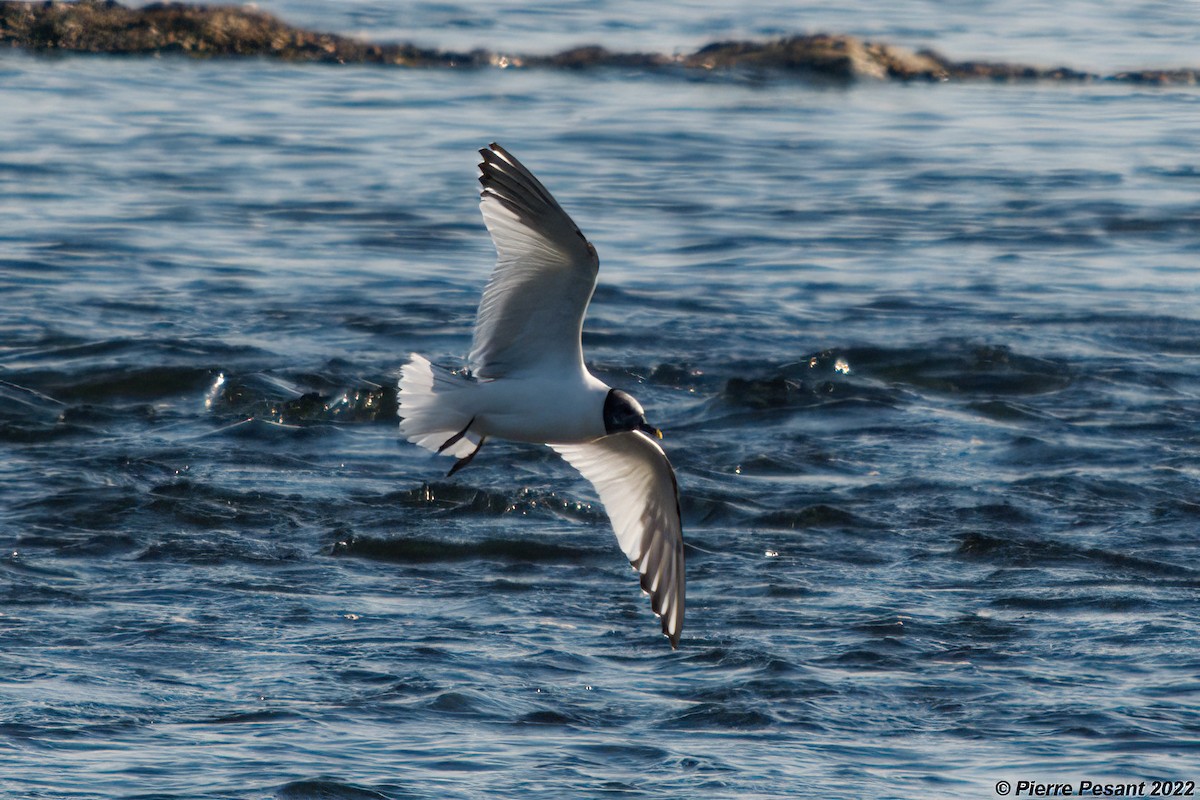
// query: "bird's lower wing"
[[637, 486]]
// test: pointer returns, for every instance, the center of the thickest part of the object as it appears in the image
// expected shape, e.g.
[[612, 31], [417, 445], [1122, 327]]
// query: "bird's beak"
[[650, 430]]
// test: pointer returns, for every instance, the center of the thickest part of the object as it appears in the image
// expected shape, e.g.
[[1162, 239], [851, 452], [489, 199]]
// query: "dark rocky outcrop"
[[821, 54], [97, 26], [593, 56], [93, 26]]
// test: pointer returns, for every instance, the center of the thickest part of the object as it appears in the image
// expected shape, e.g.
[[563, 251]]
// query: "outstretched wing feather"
[[637, 486], [531, 314]]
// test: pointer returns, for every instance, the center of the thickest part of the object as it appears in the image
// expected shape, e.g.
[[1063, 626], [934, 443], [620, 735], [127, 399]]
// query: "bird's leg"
[[457, 436], [462, 462]]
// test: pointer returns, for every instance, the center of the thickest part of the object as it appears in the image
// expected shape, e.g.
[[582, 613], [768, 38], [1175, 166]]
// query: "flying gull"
[[527, 382]]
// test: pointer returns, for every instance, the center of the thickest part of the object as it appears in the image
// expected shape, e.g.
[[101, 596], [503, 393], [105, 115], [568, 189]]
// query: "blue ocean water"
[[927, 358]]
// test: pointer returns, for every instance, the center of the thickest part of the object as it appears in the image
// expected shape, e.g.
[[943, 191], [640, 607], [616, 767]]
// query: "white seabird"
[[527, 381]]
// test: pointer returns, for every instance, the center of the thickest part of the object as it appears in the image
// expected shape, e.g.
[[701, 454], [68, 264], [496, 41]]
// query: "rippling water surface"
[[927, 358]]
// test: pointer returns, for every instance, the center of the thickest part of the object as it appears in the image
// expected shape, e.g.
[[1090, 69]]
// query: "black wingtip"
[[487, 154], [673, 638], [492, 153], [656, 605], [495, 159]]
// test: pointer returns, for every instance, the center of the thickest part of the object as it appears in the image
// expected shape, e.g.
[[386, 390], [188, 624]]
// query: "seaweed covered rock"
[[95, 26], [833, 56]]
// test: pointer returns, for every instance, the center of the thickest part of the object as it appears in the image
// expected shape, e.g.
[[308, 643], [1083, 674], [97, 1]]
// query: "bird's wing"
[[637, 486], [531, 314]]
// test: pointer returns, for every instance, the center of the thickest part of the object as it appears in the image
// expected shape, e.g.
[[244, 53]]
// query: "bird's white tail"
[[434, 407]]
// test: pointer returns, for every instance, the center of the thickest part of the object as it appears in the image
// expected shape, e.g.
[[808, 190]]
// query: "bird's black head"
[[623, 413]]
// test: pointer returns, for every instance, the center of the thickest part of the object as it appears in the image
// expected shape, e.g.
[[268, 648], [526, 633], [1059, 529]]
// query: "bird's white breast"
[[542, 408]]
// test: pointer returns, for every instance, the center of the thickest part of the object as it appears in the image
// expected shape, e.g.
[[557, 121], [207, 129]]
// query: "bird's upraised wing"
[[531, 314], [637, 486]]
